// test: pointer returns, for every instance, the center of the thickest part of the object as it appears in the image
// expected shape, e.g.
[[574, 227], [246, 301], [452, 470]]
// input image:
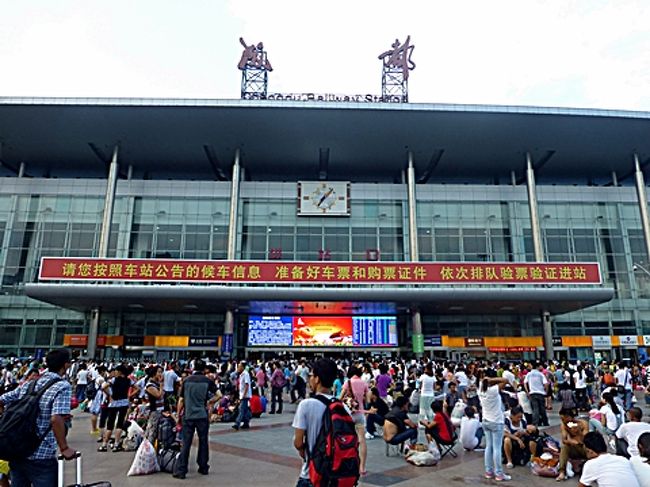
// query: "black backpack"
[[166, 432], [19, 437]]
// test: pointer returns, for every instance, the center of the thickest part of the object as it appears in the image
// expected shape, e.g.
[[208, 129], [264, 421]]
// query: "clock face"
[[323, 197]]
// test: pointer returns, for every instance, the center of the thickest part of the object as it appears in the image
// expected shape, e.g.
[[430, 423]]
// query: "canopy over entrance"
[[282, 300]]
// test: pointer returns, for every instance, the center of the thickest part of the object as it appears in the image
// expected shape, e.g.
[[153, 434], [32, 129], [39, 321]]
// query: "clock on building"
[[323, 198]]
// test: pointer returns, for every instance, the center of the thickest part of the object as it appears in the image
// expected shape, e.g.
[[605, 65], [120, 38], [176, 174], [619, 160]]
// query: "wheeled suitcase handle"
[[61, 460]]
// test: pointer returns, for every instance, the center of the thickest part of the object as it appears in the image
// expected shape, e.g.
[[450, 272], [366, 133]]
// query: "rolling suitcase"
[[78, 476]]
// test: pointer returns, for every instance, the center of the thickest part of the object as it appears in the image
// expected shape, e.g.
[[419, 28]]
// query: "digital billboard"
[[322, 331], [270, 330]]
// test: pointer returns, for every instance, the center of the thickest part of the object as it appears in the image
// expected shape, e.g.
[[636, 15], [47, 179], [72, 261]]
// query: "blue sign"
[[270, 330], [226, 345], [373, 331], [434, 341]]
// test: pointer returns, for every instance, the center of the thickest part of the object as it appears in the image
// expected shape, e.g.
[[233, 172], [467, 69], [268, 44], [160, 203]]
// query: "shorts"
[[359, 419], [116, 413]]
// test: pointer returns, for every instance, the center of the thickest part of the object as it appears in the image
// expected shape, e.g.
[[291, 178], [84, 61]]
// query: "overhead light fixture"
[[135, 306], [456, 308]]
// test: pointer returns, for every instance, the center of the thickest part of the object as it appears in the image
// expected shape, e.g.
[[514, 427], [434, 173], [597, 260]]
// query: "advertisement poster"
[[322, 331]]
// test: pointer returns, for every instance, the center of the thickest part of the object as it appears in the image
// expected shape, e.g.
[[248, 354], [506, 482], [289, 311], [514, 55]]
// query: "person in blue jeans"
[[493, 424], [398, 428]]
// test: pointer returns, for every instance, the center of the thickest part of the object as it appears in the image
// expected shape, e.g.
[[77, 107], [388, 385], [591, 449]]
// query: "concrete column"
[[642, 198], [534, 214], [107, 218], [229, 322], [413, 224], [416, 316], [234, 208], [536, 232]]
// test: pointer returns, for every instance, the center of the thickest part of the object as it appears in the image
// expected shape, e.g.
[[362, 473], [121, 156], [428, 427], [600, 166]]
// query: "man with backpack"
[[29, 435], [325, 434]]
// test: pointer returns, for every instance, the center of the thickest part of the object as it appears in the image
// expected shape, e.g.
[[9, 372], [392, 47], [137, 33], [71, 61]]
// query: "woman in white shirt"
[[493, 423], [580, 382], [610, 414], [427, 385]]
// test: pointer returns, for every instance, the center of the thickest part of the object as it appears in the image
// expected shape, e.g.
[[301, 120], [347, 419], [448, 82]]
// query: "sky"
[[563, 53]]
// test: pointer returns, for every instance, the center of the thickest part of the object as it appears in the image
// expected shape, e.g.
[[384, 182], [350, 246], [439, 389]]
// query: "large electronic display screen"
[[322, 331], [269, 331]]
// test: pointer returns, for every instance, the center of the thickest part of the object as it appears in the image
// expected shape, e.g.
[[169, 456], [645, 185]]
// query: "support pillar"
[[642, 198], [107, 218], [229, 322], [416, 316], [536, 232]]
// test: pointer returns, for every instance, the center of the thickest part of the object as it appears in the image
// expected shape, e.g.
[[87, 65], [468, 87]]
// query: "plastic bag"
[[434, 451], [421, 458], [145, 461]]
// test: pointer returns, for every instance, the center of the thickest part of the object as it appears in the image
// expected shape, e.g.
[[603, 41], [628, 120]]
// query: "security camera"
[[635, 267]]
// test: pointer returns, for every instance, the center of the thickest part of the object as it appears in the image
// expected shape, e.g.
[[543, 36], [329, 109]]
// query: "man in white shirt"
[[603, 469], [309, 415], [245, 394], [170, 379], [624, 378], [640, 462], [536, 384], [471, 431], [509, 376], [631, 431]]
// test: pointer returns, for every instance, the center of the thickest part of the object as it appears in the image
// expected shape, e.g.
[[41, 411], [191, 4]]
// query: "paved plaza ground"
[[264, 456]]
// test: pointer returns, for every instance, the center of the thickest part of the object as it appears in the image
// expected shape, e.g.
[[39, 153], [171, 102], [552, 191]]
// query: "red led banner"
[[220, 271]]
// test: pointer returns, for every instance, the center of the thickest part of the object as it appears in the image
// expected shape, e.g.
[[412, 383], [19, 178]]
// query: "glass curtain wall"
[[271, 230]]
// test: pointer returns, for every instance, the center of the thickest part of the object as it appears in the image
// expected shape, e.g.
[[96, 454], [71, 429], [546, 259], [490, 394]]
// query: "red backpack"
[[334, 460]]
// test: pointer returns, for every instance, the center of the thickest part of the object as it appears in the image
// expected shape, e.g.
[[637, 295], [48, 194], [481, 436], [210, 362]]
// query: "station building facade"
[[218, 180]]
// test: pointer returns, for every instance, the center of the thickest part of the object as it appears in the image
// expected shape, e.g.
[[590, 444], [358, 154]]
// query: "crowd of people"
[[497, 407]]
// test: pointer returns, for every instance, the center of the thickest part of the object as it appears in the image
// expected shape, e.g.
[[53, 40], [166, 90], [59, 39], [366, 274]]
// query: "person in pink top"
[[355, 394], [260, 378]]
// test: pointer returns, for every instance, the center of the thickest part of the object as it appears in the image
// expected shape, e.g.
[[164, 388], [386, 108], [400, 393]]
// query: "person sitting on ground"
[[640, 462], [628, 434], [524, 402], [603, 468], [610, 414], [519, 440], [439, 429], [377, 411], [398, 428], [471, 432], [573, 433], [256, 403]]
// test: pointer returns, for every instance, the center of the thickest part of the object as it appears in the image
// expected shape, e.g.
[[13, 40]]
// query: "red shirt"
[[442, 425]]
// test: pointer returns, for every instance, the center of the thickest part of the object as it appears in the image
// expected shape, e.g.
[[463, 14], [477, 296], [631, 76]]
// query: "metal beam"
[[323, 163], [214, 163], [433, 163]]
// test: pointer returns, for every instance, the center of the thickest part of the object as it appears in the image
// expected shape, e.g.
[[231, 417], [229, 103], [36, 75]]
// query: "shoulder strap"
[[49, 384], [326, 401]]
